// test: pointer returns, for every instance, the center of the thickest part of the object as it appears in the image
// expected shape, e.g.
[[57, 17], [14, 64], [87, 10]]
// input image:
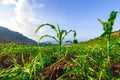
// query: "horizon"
[[24, 16]]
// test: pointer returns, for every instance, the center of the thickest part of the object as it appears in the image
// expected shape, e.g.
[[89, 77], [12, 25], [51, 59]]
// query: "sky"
[[24, 16]]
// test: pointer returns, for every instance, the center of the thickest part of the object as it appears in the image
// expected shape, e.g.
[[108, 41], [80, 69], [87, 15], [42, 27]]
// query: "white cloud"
[[24, 20], [8, 2], [41, 5], [37, 5]]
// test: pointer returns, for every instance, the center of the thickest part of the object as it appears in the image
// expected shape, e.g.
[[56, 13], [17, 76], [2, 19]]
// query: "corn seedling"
[[107, 27], [60, 35]]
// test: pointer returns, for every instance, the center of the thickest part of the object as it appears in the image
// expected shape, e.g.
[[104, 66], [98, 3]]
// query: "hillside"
[[7, 36], [84, 61], [116, 33], [115, 36]]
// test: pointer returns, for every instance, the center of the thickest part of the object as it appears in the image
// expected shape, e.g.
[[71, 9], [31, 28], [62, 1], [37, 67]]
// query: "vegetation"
[[82, 61], [60, 35], [107, 27]]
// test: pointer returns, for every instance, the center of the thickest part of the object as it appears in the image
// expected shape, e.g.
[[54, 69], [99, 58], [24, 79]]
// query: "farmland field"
[[83, 61]]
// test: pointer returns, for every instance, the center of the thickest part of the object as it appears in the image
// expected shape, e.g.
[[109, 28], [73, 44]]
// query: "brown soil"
[[25, 58], [115, 70], [115, 34], [5, 62], [56, 70]]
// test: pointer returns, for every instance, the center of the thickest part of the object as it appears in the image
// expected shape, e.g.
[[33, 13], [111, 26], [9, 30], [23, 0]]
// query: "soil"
[[5, 62], [115, 70], [55, 71], [116, 33]]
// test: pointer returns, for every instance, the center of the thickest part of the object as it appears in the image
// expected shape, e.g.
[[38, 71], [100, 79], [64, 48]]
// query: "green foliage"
[[107, 26], [28, 71], [91, 55], [60, 35], [94, 64]]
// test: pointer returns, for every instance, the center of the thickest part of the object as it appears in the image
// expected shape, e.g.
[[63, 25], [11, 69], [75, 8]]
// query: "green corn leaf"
[[58, 35], [103, 35], [112, 18], [66, 33], [110, 22], [42, 37], [102, 22], [52, 27], [112, 15], [58, 29], [63, 34], [105, 26], [74, 34], [69, 31], [47, 36], [39, 27]]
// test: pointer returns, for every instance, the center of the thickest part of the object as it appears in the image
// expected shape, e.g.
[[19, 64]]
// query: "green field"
[[83, 61]]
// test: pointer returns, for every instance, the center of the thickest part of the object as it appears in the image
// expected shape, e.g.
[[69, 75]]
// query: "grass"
[[29, 62]]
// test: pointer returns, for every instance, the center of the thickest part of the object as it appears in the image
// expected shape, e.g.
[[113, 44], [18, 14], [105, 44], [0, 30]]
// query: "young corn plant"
[[107, 27], [60, 35]]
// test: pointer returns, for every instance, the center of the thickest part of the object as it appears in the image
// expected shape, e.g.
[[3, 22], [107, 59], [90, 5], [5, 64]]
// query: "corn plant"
[[107, 27], [60, 35]]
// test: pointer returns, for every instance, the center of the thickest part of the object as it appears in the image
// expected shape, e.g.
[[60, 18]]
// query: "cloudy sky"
[[24, 16]]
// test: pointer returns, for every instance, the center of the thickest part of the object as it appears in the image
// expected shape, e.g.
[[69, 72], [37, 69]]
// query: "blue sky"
[[81, 15]]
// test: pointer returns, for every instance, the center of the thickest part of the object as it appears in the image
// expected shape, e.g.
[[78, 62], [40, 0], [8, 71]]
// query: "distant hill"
[[101, 41], [7, 36]]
